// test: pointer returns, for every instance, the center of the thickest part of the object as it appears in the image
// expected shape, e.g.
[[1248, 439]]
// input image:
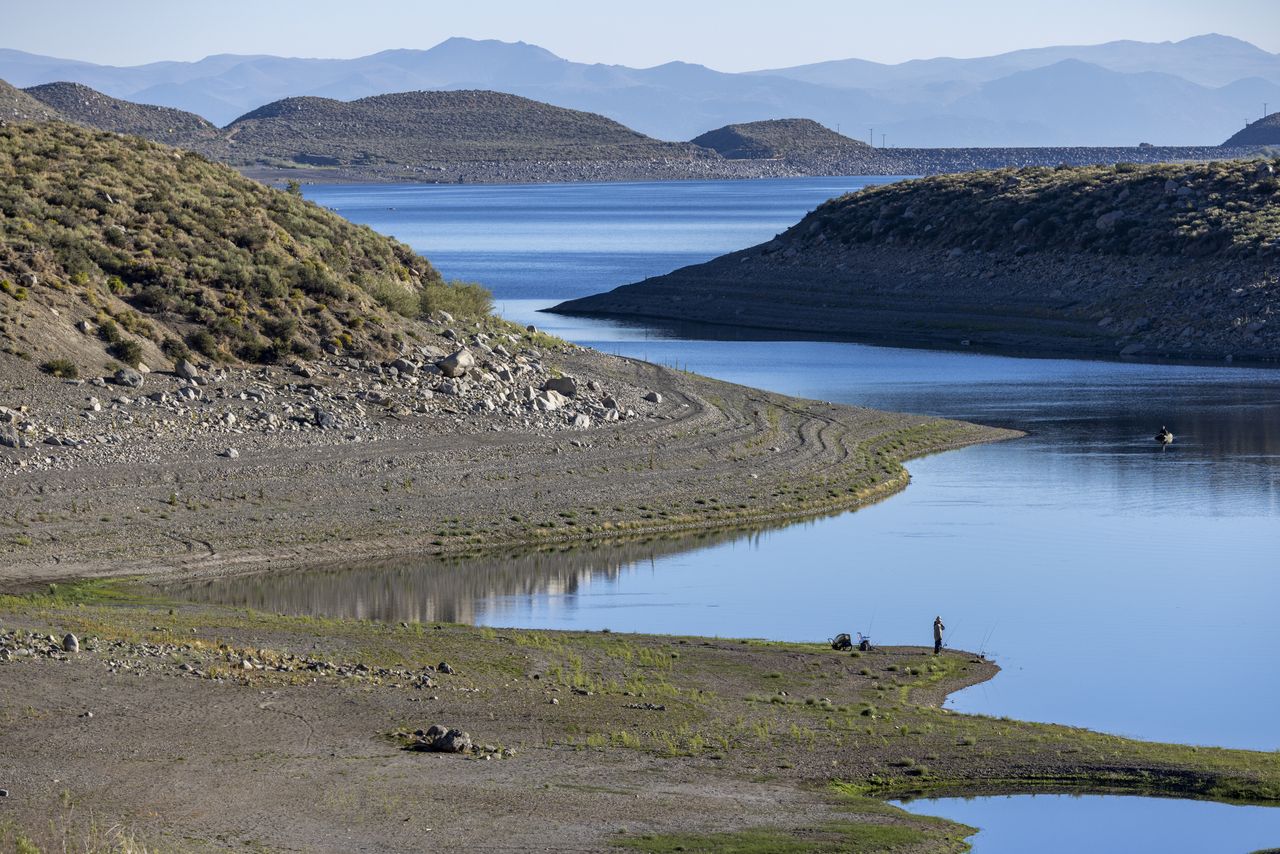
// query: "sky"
[[728, 36]]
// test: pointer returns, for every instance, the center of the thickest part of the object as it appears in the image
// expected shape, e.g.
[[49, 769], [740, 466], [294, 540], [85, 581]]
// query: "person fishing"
[[938, 629]]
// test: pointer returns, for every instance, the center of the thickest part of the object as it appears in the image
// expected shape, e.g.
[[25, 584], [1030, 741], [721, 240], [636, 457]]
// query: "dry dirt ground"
[[181, 727]]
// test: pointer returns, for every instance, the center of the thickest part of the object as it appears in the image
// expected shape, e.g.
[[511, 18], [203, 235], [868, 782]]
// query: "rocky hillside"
[[16, 105], [1265, 131], [426, 127], [245, 313], [777, 138], [1153, 261], [116, 243], [82, 105]]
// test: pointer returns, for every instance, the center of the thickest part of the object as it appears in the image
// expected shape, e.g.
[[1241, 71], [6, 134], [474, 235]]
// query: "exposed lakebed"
[[1120, 587]]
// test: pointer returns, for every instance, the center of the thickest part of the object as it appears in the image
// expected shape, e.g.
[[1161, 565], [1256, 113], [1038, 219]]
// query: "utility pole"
[[872, 131], [1264, 109], [882, 140]]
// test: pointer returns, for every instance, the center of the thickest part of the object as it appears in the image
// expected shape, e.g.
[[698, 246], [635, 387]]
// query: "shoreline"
[[817, 164], [710, 456], [685, 740], [990, 302]]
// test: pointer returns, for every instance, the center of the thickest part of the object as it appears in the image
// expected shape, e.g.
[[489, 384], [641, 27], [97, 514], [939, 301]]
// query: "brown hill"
[[16, 105], [424, 127], [82, 105], [777, 138], [1265, 131]]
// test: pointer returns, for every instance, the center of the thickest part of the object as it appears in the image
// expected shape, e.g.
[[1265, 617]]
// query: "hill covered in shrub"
[[778, 138], [1230, 208], [107, 239], [1176, 261], [1265, 131], [17, 106], [80, 104], [417, 127]]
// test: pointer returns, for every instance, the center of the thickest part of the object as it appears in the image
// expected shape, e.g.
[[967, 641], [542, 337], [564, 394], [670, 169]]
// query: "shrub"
[[397, 298], [175, 349], [203, 342], [109, 332], [462, 299], [61, 368], [129, 352]]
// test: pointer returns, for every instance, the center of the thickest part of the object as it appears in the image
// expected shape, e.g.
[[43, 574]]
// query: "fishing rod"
[[982, 650]]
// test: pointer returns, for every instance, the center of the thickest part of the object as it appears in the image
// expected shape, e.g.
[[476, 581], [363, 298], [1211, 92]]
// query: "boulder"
[[127, 377], [581, 422], [453, 741], [9, 437], [566, 385], [549, 401], [186, 370], [457, 363], [70, 643], [325, 420], [653, 397], [404, 366], [1108, 221], [230, 453]]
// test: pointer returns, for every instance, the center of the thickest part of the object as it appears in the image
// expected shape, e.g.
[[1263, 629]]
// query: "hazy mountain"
[[1210, 60], [1215, 83]]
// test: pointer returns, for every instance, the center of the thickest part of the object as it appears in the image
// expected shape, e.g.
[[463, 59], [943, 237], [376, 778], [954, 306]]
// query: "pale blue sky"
[[731, 36]]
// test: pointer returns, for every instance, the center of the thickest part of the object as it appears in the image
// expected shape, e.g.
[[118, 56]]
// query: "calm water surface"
[[1071, 824], [1120, 587]]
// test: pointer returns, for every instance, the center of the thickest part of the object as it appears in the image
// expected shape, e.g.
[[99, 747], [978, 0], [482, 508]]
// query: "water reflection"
[[452, 590], [1119, 587]]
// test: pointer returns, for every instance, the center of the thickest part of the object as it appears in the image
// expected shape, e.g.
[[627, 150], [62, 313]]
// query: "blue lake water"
[[1120, 587], [1019, 824]]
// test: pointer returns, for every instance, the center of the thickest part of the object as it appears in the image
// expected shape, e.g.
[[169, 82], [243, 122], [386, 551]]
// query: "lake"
[[1120, 587]]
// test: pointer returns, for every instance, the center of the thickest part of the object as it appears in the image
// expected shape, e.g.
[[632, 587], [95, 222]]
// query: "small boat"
[[1164, 437]]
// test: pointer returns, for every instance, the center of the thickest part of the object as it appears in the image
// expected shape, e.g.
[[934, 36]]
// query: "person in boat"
[[1164, 437], [938, 629]]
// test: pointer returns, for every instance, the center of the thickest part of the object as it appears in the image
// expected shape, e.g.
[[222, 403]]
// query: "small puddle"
[[1070, 824]]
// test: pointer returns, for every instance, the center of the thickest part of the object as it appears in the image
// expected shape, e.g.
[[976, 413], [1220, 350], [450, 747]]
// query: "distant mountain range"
[[1193, 92]]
